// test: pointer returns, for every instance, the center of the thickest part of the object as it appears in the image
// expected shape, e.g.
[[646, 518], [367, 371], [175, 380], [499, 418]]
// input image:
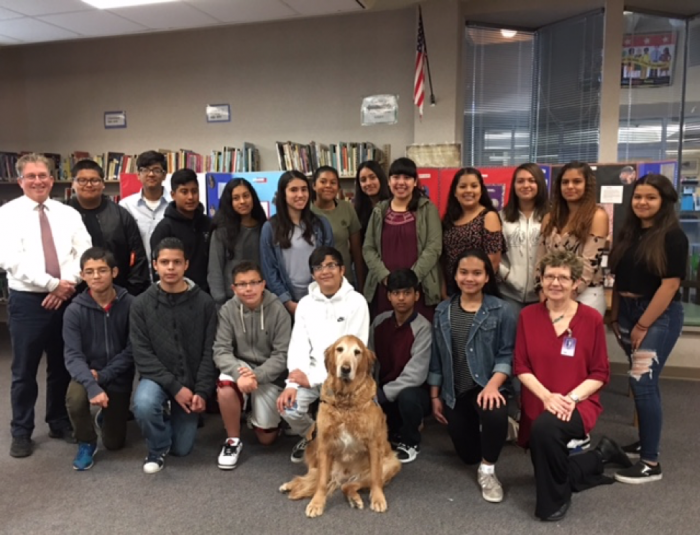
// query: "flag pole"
[[427, 60]]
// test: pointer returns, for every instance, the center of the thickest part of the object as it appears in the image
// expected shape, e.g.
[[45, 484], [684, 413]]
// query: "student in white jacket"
[[522, 222], [331, 309]]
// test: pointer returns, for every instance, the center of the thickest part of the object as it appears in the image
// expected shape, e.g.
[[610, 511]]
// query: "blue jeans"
[[646, 365], [162, 433]]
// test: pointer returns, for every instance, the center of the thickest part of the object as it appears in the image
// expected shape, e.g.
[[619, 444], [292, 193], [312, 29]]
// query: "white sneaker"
[[229, 454], [491, 489], [576, 445]]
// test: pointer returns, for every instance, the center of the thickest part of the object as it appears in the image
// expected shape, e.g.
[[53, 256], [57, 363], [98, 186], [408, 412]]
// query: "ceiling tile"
[[94, 23], [6, 14], [166, 16], [314, 7], [33, 31], [4, 40], [44, 7], [233, 11]]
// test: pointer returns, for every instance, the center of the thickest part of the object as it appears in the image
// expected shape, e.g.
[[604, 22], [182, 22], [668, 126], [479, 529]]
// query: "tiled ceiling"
[[35, 21]]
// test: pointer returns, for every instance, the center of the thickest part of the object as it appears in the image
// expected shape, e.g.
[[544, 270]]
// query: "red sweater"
[[538, 351]]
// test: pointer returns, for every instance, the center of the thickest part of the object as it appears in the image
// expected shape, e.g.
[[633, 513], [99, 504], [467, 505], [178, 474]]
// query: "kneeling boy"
[[251, 352], [98, 356], [402, 340]]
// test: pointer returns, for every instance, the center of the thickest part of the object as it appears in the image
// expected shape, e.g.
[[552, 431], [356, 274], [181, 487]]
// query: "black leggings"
[[475, 432]]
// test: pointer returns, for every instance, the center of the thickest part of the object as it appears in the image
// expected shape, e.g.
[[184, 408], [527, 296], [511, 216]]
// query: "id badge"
[[568, 347]]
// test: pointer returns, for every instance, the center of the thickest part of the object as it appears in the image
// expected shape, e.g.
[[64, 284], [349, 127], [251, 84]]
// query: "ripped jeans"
[[646, 365]]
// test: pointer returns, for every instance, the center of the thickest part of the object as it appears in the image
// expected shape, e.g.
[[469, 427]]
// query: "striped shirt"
[[461, 322]]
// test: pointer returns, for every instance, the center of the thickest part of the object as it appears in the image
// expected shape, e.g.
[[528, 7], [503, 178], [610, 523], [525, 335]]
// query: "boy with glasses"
[[98, 356], [402, 340], [250, 350], [111, 226], [331, 309], [148, 206]]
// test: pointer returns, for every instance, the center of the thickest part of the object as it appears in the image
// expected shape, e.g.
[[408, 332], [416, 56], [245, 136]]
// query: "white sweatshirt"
[[318, 323], [517, 267]]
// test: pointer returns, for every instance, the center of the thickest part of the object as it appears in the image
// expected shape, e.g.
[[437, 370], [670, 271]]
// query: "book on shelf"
[[343, 156]]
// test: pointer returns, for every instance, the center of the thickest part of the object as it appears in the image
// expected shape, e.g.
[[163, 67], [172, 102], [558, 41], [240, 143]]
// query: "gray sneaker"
[[491, 489]]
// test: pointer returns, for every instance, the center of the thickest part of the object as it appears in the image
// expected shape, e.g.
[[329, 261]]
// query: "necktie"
[[53, 268]]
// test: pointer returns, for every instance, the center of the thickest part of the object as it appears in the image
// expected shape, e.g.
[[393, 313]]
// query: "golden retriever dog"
[[350, 449]]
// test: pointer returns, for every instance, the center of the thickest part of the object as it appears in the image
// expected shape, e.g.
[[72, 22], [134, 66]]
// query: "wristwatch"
[[575, 398]]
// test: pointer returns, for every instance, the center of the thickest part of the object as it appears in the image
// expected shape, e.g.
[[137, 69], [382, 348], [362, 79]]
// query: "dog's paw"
[[378, 503], [286, 487], [314, 509], [356, 502]]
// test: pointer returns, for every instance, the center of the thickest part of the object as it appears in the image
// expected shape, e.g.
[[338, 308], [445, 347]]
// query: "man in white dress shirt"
[[40, 248]]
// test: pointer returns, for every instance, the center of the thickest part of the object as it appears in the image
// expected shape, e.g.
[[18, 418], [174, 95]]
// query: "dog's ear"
[[329, 358]]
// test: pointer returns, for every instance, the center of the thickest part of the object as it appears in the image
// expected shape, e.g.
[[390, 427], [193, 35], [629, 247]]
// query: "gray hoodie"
[[258, 338]]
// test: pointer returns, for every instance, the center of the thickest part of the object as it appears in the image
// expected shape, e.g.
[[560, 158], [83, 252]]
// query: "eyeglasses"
[[95, 272], [330, 266], [244, 285], [559, 278], [157, 171], [32, 178], [86, 181]]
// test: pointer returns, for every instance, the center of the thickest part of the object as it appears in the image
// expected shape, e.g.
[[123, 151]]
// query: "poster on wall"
[[647, 59]]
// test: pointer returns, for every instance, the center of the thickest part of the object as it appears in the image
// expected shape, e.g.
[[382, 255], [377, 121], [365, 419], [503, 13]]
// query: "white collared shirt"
[[146, 218], [21, 251]]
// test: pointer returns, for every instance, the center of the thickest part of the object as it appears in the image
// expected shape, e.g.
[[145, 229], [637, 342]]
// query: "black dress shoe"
[[66, 433], [559, 513], [21, 447], [611, 453]]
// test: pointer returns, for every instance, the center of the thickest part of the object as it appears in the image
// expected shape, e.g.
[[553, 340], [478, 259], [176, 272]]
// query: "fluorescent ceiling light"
[[113, 4], [509, 34]]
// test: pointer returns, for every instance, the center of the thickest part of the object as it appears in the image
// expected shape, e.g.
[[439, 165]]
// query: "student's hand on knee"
[[184, 399], [490, 398], [247, 384], [197, 404], [287, 399], [437, 410], [101, 399], [300, 378]]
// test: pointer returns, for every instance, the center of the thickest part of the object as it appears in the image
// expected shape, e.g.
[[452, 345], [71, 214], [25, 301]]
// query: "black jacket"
[[172, 336], [194, 234], [95, 339], [119, 233]]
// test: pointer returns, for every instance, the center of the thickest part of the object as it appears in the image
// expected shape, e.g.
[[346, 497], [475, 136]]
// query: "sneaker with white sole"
[[576, 445], [406, 453], [298, 451], [84, 459], [639, 473], [154, 462], [491, 489], [633, 450], [229, 454]]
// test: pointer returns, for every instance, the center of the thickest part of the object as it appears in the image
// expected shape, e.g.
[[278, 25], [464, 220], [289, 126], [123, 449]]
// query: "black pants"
[[405, 414], [557, 474], [33, 331], [475, 432]]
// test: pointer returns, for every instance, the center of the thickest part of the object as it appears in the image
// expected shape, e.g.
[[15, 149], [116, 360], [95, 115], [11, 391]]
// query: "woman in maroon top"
[[470, 222], [561, 358]]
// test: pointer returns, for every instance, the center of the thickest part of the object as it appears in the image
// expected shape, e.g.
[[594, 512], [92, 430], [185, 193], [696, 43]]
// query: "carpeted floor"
[[436, 494]]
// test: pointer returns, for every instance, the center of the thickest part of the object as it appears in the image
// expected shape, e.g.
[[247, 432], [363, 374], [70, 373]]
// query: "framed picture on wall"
[[689, 167]]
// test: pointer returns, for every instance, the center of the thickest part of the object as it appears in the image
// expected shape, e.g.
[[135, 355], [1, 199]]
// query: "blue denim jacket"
[[272, 262], [489, 347]]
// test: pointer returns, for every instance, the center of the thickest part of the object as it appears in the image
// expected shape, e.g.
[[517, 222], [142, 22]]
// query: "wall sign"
[[218, 113], [115, 119]]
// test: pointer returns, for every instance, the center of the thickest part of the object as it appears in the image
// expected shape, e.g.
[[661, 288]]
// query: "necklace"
[[558, 319]]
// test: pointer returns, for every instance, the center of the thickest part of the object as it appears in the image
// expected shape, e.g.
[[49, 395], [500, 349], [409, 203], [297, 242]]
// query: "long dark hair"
[[510, 210], [407, 167], [491, 286], [228, 220], [559, 214], [651, 250], [362, 202], [282, 224], [454, 209]]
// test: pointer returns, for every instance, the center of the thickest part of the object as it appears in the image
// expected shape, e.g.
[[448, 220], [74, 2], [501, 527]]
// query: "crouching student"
[[402, 340], [173, 325], [331, 309], [251, 352], [472, 355], [98, 357]]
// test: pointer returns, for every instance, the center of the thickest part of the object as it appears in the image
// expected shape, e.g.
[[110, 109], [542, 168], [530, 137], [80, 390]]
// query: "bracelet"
[[434, 397], [642, 327]]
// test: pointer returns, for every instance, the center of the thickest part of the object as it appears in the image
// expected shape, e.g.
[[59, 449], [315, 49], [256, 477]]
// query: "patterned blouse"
[[471, 235], [591, 252]]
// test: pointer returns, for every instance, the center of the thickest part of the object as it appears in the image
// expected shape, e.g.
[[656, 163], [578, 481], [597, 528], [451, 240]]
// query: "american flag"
[[419, 81]]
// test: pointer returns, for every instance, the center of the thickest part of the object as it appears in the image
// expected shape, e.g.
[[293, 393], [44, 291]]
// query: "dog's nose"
[[345, 370]]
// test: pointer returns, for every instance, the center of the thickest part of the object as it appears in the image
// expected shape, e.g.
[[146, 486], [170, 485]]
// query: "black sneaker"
[[639, 473], [633, 450], [21, 447], [65, 433], [298, 451], [406, 453], [154, 463]]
